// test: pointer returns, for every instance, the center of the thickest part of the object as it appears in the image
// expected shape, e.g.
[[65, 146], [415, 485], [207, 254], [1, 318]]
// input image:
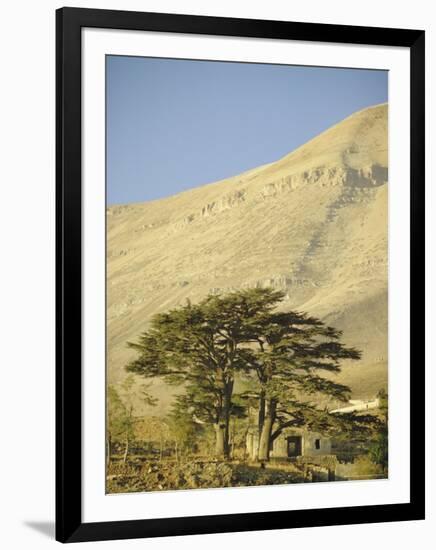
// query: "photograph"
[[246, 274], [215, 275]]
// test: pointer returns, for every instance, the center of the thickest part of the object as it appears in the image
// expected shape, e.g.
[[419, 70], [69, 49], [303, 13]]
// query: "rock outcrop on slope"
[[314, 224]]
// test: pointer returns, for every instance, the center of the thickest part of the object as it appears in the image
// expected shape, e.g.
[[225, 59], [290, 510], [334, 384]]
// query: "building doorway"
[[294, 445]]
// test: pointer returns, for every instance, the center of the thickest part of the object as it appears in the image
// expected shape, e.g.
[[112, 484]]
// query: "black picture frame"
[[69, 525]]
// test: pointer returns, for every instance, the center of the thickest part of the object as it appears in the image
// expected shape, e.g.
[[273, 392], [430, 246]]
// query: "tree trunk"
[[232, 441], [109, 450], [246, 451], [220, 447], [226, 416], [126, 450], [265, 436], [261, 415], [260, 423]]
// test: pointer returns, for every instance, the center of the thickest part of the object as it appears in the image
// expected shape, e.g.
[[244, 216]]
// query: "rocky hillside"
[[314, 224]]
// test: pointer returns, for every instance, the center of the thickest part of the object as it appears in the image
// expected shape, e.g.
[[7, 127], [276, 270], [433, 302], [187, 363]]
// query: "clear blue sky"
[[175, 124]]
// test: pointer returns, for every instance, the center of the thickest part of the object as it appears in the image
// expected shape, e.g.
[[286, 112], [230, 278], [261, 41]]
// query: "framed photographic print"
[[240, 274]]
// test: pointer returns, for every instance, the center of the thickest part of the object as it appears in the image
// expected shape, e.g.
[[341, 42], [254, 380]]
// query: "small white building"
[[300, 442], [357, 405], [292, 442]]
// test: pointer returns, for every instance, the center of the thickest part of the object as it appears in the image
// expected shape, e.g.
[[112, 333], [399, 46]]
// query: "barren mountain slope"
[[314, 224]]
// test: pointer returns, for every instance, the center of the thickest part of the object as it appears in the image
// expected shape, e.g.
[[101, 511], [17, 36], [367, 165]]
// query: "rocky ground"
[[165, 476]]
